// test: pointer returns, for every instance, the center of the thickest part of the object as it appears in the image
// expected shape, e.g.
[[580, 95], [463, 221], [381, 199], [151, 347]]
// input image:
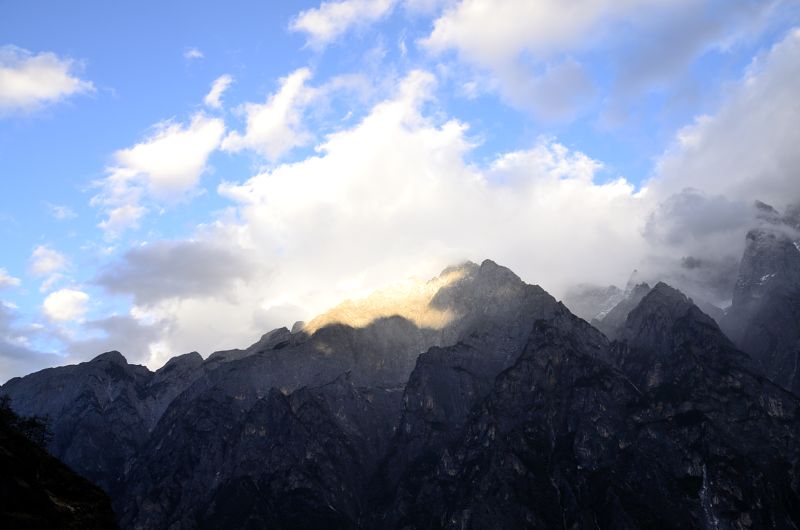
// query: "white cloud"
[[389, 197], [65, 305], [193, 53], [492, 32], [274, 127], [530, 51], [29, 81], [396, 194], [706, 183], [45, 261], [174, 157], [748, 149], [332, 19], [6, 280], [163, 167], [214, 97]]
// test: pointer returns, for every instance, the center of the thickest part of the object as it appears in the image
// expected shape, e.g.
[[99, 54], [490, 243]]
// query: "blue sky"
[[354, 143]]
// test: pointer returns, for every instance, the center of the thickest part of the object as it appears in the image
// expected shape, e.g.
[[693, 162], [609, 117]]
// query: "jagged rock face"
[[764, 319], [612, 321], [591, 302], [448, 383], [97, 412], [101, 412], [506, 411], [289, 461], [39, 492], [567, 440], [491, 306]]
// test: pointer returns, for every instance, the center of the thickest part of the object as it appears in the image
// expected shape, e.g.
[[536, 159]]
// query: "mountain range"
[[474, 400]]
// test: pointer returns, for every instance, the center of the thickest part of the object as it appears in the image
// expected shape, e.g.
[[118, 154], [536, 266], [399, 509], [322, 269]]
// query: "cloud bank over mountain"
[[396, 195], [402, 137]]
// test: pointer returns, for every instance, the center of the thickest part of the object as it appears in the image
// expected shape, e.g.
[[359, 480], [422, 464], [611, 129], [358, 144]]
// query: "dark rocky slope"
[[101, 412], [764, 319], [39, 492], [489, 405], [567, 440], [491, 306]]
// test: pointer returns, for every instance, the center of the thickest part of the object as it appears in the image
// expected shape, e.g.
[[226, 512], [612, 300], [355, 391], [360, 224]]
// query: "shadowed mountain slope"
[[471, 401]]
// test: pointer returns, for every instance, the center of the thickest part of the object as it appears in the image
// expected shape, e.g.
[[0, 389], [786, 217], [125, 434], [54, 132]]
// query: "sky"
[[185, 176]]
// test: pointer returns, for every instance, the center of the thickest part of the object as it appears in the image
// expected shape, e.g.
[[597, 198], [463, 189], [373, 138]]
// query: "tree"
[[34, 428]]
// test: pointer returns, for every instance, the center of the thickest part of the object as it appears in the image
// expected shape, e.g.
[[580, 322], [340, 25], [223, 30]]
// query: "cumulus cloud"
[[65, 305], [163, 167], [29, 81], [523, 45], [391, 196], [275, 127], [718, 166], [497, 36], [496, 32], [397, 194], [748, 149], [6, 280], [214, 97], [330, 20]]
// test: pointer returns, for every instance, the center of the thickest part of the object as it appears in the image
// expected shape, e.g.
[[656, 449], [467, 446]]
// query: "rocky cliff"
[[472, 401]]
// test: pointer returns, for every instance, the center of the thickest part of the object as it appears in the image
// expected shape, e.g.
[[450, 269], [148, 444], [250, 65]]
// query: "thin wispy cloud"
[[214, 97], [193, 54]]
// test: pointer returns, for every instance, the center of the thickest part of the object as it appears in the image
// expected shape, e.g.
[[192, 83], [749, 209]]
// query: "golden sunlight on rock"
[[410, 299]]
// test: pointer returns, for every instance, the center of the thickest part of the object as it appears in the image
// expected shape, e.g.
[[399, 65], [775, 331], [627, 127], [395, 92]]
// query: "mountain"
[[675, 434], [613, 320], [764, 318], [39, 492], [591, 302], [102, 411], [473, 400], [211, 426]]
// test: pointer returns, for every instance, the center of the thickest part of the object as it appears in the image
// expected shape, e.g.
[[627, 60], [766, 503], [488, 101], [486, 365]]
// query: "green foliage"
[[34, 428]]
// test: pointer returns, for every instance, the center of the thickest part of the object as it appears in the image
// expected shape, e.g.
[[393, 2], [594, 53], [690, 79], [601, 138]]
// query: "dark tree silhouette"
[[34, 428]]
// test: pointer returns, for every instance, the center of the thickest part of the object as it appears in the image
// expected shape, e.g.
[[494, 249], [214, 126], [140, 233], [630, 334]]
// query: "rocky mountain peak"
[[511, 412], [612, 320], [771, 261], [664, 318], [113, 356], [187, 360], [764, 318]]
